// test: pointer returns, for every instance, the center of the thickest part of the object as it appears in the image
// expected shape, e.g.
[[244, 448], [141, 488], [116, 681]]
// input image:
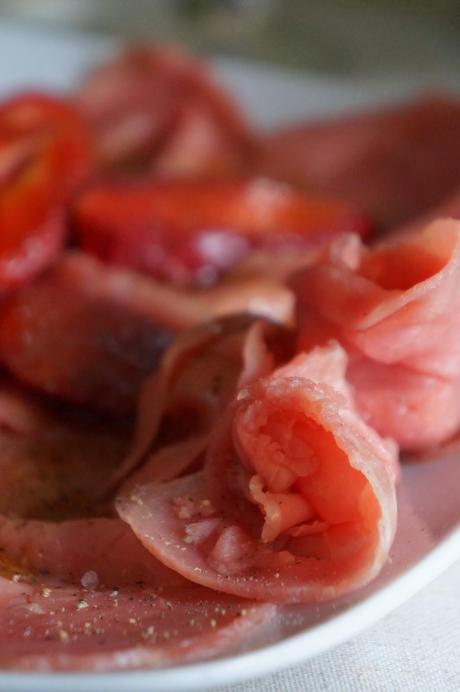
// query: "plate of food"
[[230, 373]]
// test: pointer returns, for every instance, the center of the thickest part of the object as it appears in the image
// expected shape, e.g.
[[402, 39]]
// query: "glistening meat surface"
[[395, 162], [200, 373], [296, 502], [395, 309]]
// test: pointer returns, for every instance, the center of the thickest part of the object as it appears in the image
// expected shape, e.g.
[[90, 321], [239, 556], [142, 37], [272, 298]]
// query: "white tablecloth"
[[415, 649]]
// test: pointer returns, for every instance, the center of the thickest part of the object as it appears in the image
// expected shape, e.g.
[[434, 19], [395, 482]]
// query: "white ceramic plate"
[[428, 537]]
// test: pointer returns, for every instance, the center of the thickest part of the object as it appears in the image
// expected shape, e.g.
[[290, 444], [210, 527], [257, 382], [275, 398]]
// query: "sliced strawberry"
[[44, 153], [189, 232]]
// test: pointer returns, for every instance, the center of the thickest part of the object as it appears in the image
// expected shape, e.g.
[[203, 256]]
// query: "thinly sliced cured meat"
[[296, 503], [96, 552], [396, 309], [181, 403], [108, 328], [448, 209], [45, 151], [53, 463], [122, 629], [419, 410], [85, 595], [395, 163], [158, 104], [291, 260], [198, 145], [261, 295], [191, 232], [71, 339], [57, 475]]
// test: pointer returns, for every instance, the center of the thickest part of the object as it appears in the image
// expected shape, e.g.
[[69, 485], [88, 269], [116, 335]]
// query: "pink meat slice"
[[396, 307], [100, 551], [448, 209], [53, 463], [108, 328], [161, 106], [85, 595], [395, 162], [418, 410], [296, 503], [199, 374], [70, 630]]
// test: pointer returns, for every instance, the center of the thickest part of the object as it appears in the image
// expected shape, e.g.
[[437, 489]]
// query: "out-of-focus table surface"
[[356, 37]]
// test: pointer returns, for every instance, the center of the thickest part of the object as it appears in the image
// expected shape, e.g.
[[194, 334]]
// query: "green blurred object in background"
[[352, 37]]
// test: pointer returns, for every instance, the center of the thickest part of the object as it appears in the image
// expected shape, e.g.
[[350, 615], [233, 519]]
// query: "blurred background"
[[419, 38]]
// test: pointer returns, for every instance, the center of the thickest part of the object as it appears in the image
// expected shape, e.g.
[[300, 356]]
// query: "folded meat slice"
[[157, 105], [395, 163], [395, 308], [296, 502], [419, 410], [107, 329], [86, 596], [199, 374], [191, 232]]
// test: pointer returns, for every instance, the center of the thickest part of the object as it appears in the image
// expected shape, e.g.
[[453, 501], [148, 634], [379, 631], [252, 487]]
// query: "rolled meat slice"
[[297, 499], [395, 309], [394, 162], [199, 374]]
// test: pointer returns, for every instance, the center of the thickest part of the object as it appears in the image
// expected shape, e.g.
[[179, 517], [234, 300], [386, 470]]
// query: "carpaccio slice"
[[84, 594], [161, 106], [448, 209], [91, 552], [107, 329], [395, 163], [297, 500], [87, 596], [396, 311], [107, 630], [191, 232], [69, 337], [199, 374], [54, 460], [45, 151]]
